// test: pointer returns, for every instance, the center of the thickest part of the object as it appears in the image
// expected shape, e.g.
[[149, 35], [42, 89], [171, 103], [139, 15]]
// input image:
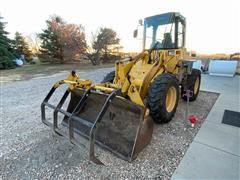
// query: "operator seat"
[[167, 41]]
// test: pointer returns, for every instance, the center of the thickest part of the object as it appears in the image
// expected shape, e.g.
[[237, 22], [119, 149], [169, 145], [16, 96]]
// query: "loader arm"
[[150, 75], [122, 68], [135, 84]]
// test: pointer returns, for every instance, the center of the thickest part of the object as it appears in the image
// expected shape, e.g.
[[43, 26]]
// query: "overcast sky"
[[213, 26]]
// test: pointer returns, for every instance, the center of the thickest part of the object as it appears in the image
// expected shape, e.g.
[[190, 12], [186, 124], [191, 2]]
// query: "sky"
[[213, 26]]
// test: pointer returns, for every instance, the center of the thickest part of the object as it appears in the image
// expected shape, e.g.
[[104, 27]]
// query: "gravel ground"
[[29, 149]]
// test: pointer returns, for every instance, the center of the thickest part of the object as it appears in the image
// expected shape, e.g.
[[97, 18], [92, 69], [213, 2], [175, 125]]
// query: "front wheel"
[[162, 98]]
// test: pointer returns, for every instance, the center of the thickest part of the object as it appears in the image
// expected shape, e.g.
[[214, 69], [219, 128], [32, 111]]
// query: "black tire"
[[109, 77], [190, 83], [156, 98]]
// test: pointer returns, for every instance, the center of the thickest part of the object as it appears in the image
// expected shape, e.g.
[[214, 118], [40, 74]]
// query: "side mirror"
[[135, 33], [193, 54], [140, 22]]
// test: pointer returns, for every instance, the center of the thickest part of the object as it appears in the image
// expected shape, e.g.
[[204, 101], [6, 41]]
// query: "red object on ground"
[[193, 119]]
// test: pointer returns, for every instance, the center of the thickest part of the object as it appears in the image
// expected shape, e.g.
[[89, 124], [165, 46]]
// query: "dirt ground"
[[30, 150]]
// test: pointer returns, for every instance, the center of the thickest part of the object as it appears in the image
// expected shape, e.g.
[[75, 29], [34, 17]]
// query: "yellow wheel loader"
[[118, 113]]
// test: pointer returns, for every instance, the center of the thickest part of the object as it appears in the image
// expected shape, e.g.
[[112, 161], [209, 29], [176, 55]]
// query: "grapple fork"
[[108, 120]]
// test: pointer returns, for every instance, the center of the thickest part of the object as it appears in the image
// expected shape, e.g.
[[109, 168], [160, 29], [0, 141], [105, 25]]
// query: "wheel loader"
[[118, 114]]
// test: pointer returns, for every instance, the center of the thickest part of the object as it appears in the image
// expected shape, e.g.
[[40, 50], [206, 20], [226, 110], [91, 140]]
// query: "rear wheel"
[[193, 84], [162, 98], [109, 77]]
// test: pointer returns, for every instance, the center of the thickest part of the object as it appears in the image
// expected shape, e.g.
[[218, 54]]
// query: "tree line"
[[11, 49], [59, 42]]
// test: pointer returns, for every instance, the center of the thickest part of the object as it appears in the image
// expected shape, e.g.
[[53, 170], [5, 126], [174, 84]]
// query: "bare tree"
[[34, 42]]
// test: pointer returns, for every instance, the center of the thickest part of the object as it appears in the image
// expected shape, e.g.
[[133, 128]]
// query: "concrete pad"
[[215, 151], [230, 101], [215, 115], [220, 136], [230, 92], [231, 97], [233, 106], [203, 162], [224, 85]]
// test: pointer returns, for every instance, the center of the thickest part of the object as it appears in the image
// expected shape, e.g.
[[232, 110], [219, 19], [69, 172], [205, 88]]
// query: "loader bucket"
[[120, 125]]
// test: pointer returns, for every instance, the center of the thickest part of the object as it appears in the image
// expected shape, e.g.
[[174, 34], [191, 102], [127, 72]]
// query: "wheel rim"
[[171, 98], [196, 85]]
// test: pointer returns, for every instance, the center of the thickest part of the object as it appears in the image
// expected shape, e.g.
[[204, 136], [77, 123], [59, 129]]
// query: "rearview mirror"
[[135, 33]]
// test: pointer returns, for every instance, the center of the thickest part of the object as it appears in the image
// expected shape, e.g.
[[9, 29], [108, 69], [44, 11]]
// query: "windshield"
[[161, 36], [159, 32]]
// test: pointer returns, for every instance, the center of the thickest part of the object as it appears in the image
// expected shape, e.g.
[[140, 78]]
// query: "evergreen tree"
[[50, 38], [7, 53], [21, 46]]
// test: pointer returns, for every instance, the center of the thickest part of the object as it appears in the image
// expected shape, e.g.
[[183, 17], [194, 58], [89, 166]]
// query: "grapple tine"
[[92, 156], [78, 108], [44, 103], [96, 161], [97, 121], [55, 112], [71, 133]]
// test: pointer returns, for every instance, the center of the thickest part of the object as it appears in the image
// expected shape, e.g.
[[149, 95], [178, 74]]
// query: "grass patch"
[[30, 70]]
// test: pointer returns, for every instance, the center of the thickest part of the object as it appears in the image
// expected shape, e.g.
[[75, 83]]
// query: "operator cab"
[[164, 31]]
